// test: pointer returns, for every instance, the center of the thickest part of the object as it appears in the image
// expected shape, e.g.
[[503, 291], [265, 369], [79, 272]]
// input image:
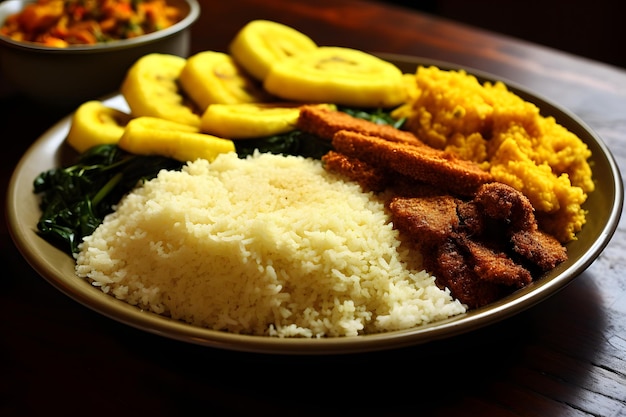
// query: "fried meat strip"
[[367, 176], [422, 163], [324, 123], [376, 179], [389, 150]]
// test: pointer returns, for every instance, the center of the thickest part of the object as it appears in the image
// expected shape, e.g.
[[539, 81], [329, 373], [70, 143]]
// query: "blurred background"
[[593, 29]]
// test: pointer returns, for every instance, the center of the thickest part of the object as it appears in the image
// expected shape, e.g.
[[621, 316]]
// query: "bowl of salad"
[[61, 53]]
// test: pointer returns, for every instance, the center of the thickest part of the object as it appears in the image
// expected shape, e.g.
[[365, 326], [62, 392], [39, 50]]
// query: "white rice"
[[270, 245]]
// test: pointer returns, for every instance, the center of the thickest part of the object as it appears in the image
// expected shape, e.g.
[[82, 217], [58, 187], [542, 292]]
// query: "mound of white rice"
[[269, 245]]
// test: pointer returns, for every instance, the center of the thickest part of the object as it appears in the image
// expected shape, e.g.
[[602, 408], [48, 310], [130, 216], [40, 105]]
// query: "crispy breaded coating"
[[430, 219], [501, 201], [376, 179], [367, 176], [541, 249], [472, 221], [493, 266], [492, 238], [422, 163], [324, 123], [455, 273]]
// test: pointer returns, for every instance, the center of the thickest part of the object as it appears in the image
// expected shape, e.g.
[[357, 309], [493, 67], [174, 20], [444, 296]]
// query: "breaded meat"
[[503, 202], [376, 179], [539, 248], [422, 163], [453, 271], [479, 248], [472, 221], [324, 123], [430, 220], [493, 266], [367, 176]]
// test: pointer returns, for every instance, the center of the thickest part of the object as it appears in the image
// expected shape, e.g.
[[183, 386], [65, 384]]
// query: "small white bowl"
[[66, 77]]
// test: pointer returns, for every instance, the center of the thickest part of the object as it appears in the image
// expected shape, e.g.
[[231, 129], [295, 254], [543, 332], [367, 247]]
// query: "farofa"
[[269, 245], [490, 125]]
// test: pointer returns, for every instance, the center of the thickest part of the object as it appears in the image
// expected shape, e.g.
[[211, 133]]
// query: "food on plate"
[[490, 125], [311, 220], [337, 75], [262, 43], [481, 248], [144, 136], [420, 163], [251, 120], [269, 245], [61, 23], [155, 123], [151, 89], [325, 123], [478, 237], [74, 199], [211, 77], [94, 123]]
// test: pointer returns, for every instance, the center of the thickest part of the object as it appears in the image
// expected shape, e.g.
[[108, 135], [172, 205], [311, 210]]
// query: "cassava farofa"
[[270, 245], [488, 124]]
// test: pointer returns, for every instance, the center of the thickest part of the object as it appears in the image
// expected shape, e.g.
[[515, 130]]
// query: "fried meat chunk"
[[429, 219], [495, 266], [503, 202], [473, 222], [324, 123], [455, 273], [539, 248], [474, 246]]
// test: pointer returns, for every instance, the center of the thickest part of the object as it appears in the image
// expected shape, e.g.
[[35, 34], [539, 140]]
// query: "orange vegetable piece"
[[37, 16]]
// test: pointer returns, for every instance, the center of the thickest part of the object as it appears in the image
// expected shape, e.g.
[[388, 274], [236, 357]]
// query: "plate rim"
[[81, 291]]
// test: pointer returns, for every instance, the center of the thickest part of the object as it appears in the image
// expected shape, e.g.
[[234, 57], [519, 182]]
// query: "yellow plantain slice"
[[213, 77], [151, 89], [338, 75], [262, 43], [147, 137], [249, 120], [93, 124], [148, 122]]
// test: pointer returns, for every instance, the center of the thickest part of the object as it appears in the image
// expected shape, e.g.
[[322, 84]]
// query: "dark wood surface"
[[563, 357]]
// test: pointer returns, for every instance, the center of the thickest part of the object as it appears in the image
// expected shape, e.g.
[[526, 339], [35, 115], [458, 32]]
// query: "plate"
[[604, 206]]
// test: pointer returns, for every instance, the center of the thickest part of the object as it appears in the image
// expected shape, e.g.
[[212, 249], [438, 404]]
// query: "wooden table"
[[563, 357]]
